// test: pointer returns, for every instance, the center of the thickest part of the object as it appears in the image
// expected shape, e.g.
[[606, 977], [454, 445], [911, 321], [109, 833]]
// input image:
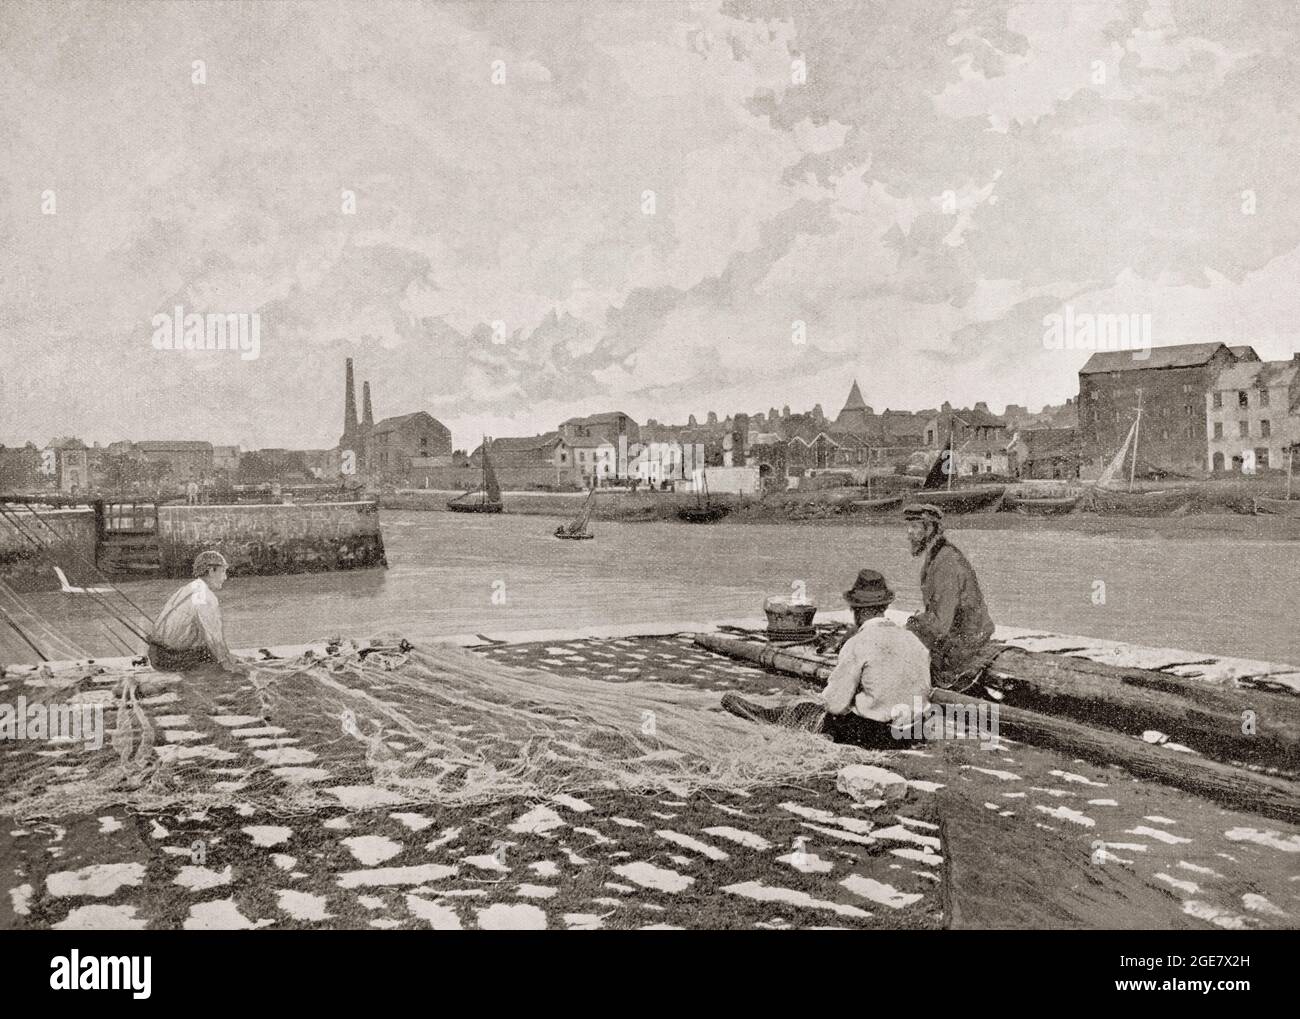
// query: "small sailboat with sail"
[[576, 529], [489, 491], [937, 489]]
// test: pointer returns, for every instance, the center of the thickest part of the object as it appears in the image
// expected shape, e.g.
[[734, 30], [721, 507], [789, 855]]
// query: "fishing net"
[[386, 723]]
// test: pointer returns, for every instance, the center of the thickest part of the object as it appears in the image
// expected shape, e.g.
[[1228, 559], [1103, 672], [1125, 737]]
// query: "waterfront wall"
[[288, 538], [460, 479], [70, 540]]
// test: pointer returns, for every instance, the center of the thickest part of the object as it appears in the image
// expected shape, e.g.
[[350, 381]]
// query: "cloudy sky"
[[919, 183]]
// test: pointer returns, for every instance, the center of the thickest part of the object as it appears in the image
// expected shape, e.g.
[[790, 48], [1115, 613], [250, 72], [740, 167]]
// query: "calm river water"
[[1229, 596]]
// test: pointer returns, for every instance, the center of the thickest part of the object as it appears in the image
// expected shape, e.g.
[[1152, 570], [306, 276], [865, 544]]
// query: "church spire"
[[855, 401]]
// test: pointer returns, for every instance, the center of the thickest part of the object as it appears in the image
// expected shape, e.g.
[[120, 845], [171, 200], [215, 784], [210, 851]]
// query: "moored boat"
[[489, 492], [884, 504], [704, 511], [1040, 505], [576, 529], [962, 500]]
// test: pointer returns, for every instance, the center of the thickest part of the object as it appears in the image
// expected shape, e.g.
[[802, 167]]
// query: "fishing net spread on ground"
[[395, 724]]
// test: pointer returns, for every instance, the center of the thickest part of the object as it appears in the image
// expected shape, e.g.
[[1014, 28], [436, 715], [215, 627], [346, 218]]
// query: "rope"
[[43, 546], [55, 641]]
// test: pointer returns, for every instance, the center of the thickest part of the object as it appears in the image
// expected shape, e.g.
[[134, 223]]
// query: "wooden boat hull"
[[560, 532], [1041, 507], [961, 500], [1136, 504], [887, 504], [1278, 507], [474, 507], [701, 514]]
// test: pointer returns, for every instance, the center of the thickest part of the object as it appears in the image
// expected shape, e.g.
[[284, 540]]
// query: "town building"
[[1045, 453], [607, 425], [225, 458], [595, 458], [395, 444], [71, 464], [975, 424], [1252, 414], [1169, 384], [177, 460]]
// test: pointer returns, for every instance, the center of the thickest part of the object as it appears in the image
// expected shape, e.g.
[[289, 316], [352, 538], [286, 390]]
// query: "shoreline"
[[830, 508]]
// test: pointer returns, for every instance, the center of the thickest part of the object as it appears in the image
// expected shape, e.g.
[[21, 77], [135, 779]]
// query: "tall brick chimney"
[[367, 416], [349, 402]]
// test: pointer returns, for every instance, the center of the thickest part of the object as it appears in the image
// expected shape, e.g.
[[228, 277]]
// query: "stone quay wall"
[[269, 539], [69, 541]]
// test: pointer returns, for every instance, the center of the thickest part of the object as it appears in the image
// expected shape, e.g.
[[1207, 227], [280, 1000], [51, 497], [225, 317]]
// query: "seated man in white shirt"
[[188, 634], [883, 672]]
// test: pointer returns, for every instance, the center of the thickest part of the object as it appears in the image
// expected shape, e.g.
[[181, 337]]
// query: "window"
[[1188, 409], [1243, 400], [1218, 429], [1264, 429], [1218, 401], [1261, 458], [1243, 429], [1218, 461], [1263, 397]]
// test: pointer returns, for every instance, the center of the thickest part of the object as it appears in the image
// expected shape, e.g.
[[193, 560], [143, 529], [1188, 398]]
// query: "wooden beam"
[[1097, 738], [1245, 790]]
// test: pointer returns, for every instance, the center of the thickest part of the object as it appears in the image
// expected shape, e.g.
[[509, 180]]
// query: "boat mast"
[[1137, 432], [950, 452]]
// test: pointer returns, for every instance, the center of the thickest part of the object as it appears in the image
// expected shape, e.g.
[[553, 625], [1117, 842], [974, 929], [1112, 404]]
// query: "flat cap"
[[923, 511]]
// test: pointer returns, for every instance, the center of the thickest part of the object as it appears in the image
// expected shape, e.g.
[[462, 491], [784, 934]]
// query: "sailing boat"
[[489, 500], [1102, 496], [938, 491], [704, 511], [576, 529]]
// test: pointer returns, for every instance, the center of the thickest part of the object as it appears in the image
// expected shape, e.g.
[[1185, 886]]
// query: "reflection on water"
[[451, 573]]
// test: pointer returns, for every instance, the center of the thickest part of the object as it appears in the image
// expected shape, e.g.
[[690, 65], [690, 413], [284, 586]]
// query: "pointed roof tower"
[[856, 415]]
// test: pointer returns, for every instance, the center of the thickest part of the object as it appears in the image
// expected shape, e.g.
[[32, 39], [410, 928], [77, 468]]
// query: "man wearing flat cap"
[[883, 672], [955, 623]]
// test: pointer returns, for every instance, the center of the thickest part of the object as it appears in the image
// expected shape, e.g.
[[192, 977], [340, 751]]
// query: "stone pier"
[[265, 539]]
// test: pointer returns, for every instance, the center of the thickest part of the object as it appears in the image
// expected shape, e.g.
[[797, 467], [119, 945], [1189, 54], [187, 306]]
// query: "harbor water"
[[451, 573]]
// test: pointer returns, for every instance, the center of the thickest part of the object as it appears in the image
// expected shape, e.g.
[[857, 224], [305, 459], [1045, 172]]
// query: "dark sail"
[[938, 476], [490, 478]]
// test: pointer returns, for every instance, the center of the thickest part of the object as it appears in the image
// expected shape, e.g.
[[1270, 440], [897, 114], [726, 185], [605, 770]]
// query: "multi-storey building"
[[1169, 384], [1252, 414]]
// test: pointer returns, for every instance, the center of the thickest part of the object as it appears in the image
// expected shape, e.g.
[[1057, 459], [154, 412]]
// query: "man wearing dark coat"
[[955, 623]]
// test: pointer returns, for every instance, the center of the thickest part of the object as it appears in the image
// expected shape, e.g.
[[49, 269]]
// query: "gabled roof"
[[1043, 442], [1257, 375], [1245, 353], [521, 443], [394, 423], [1179, 355], [589, 441], [973, 418]]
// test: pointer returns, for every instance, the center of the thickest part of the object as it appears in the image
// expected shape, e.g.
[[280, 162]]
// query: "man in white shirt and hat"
[[188, 632], [882, 674]]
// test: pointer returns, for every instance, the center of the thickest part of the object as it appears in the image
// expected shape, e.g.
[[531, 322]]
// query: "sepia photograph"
[[641, 465]]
